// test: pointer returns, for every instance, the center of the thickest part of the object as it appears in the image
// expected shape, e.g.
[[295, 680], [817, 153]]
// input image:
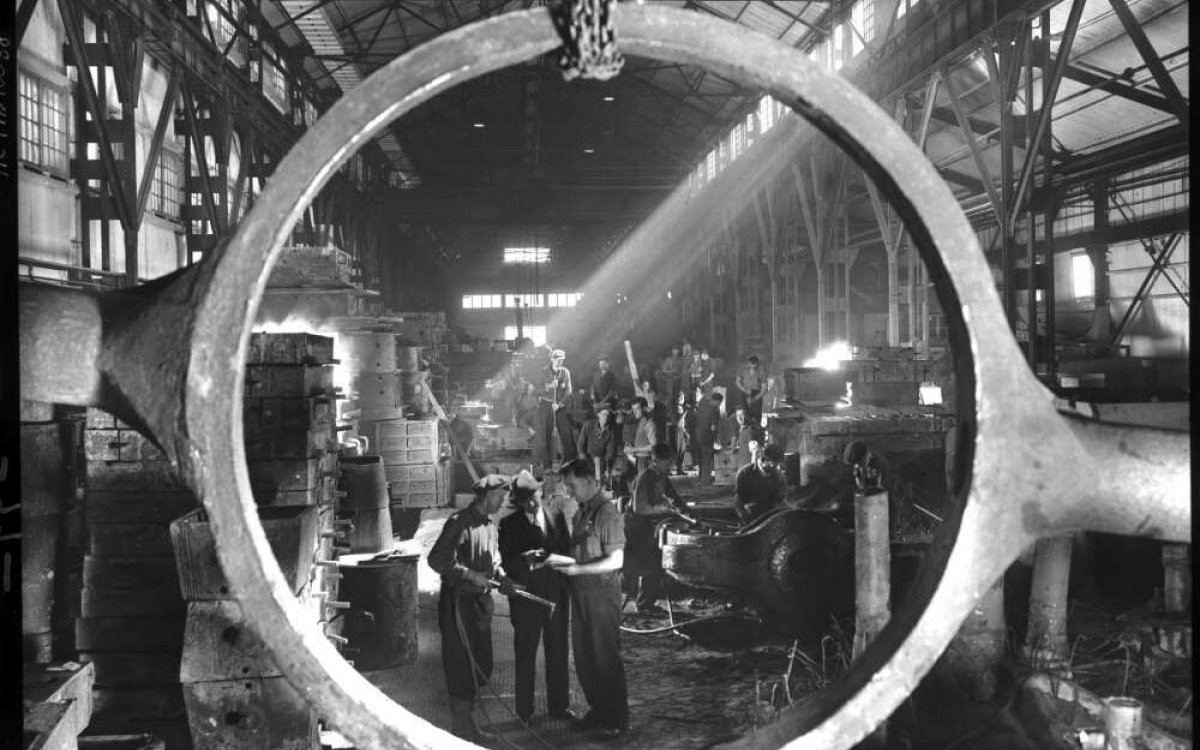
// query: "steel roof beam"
[[1112, 83], [1162, 77]]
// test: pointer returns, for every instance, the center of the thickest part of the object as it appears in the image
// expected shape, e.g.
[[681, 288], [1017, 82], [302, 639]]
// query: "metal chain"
[[589, 41]]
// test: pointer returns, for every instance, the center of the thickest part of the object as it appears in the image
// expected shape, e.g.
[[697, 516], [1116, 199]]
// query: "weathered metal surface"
[[793, 563], [171, 368]]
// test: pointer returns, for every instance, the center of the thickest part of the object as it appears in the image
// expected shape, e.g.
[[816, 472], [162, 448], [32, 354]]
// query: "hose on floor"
[[482, 680]]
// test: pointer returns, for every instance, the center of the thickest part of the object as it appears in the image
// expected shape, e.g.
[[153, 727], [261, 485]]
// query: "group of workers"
[[576, 568]]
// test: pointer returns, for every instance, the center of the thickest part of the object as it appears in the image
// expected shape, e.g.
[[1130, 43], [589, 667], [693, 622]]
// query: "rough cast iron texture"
[[168, 365]]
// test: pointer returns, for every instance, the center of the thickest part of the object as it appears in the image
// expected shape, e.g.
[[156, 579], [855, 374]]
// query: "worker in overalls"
[[467, 557]]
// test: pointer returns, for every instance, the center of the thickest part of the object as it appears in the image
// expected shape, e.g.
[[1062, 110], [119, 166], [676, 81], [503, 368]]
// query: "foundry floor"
[[680, 695]]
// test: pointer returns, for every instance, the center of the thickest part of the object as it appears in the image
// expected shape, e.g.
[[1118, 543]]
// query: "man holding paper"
[[527, 538], [598, 546]]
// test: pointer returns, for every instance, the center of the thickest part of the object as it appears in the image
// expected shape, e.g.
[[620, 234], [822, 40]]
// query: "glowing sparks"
[[831, 357]]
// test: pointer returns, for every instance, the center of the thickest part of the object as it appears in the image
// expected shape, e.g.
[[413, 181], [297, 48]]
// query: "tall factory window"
[[43, 124], [563, 299], [536, 333], [526, 255], [166, 193], [526, 300], [1083, 278], [862, 17], [482, 302]]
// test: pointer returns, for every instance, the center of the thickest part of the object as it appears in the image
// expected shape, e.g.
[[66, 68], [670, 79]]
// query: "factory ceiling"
[[521, 151]]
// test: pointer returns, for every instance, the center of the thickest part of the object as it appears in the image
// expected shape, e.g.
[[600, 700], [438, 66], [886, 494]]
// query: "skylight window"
[[527, 255]]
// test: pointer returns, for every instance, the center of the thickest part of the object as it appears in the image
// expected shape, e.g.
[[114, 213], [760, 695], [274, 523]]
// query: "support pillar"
[[872, 574], [1046, 646]]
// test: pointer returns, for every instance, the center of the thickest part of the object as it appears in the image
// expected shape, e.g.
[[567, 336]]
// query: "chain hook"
[[589, 40]]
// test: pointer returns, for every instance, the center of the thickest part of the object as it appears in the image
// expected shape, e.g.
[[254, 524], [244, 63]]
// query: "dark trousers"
[[643, 559], [475, 612], [568, 437], [548, 419], [753, 408], [532, 623], [704, 447], [596, 640]]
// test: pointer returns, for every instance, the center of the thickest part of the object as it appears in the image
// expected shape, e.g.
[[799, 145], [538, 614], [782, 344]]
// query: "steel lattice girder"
[[162, 358]]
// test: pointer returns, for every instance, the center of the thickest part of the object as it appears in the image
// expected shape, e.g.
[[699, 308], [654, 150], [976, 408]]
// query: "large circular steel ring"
[[990, 532]]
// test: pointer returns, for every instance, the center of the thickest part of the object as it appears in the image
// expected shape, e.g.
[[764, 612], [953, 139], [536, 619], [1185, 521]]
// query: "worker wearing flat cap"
[[556, 387], [527, 538], [467, 557]]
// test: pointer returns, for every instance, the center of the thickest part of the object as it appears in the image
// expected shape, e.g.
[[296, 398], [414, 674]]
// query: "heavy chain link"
[[589, 41]]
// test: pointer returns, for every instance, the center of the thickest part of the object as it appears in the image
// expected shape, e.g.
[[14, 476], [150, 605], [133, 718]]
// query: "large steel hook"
[[169, 358]]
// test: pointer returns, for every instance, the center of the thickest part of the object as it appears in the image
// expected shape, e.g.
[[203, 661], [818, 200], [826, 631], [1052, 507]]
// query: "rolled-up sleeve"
[[610, 529]]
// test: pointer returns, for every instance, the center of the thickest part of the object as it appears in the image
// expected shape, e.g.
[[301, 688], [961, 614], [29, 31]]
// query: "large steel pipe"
[[177, 365]]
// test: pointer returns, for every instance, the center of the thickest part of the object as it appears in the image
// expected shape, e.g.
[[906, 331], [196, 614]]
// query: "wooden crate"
[[218, 644], [286, 474], [274, 443], [725, 459], [291, 532], [249, 714], [288, 380]]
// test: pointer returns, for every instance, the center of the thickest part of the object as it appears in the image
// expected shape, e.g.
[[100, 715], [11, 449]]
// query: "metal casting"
[[793, 563], [172, 361]]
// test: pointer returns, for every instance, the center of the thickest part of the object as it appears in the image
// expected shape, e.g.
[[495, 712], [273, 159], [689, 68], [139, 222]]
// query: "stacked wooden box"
[[725, 466], [235, 694], [131, 623], [290, 438], [412, 451]]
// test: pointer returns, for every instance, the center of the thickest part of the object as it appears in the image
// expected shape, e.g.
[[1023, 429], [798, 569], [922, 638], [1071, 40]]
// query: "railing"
[[79, 277]]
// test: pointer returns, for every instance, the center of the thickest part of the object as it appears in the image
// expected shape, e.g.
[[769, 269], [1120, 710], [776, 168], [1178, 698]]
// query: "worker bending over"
[[760, 486], [654, 499]]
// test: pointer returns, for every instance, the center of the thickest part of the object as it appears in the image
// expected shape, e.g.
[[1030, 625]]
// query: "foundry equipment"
[[161, 357], [795, 564]]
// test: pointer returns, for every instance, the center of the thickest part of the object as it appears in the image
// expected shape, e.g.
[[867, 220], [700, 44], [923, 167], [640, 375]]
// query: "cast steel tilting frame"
[[162, 358]]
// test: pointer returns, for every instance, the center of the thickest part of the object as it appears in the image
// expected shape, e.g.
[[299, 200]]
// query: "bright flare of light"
[[290, 324], [929, 394], [831, 356], [847, 398]]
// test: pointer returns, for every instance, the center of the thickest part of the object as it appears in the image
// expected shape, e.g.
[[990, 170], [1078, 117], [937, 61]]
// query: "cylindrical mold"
[[365, 483], [408, 358], [372, 530], [1046, 637], [872, 567], [1122, 723], [381, 625], [1177, 579], [369, 352]]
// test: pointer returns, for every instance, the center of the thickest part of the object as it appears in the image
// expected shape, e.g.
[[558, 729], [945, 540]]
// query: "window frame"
[[27, 143]]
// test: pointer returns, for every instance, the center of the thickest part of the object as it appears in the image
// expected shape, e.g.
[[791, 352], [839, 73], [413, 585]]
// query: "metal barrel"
[[381, 624]]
